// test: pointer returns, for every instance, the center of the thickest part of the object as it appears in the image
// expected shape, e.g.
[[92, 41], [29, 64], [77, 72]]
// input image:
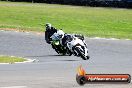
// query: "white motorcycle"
[[78, 47]]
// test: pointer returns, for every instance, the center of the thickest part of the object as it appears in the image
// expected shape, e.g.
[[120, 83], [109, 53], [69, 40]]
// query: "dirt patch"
[[11, 29]]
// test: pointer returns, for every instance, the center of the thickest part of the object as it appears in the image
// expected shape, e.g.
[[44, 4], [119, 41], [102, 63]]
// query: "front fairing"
[[56, 42]]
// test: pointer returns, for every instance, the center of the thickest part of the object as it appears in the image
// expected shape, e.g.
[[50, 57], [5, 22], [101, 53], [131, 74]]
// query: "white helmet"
[[60, 34], [48, 25]]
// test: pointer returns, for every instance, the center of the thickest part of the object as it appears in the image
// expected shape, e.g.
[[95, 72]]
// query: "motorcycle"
[[56, 45], [78, 47]]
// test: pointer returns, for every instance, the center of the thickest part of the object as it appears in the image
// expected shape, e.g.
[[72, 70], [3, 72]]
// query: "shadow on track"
[[68, 60], [47, 56]]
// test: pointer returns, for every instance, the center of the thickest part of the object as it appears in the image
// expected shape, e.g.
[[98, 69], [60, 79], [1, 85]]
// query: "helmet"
[[69, 37], [60, 34], [48, 26]]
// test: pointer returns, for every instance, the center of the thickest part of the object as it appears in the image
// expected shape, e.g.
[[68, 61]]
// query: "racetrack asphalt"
[[54, 71]]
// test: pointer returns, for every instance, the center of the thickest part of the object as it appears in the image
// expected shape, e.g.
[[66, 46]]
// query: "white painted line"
[[113, 39], [27, 60], [127, 39], [99, 38], [16, 31], [4, 63], [15, 87], [1, 30], [27, 32]]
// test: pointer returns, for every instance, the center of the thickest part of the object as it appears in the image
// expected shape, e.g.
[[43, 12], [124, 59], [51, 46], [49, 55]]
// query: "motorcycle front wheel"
[[81, 54], [59, 49]]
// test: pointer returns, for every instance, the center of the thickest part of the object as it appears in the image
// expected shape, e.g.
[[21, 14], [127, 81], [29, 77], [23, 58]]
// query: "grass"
[[90, 21], [8, 59]]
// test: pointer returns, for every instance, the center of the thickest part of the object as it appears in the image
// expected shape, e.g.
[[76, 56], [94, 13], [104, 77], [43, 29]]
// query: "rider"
[[63, 36], [49, 32]]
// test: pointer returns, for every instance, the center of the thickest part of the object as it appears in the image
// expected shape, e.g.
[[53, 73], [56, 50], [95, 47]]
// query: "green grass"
[[90, 21], [8, 59]]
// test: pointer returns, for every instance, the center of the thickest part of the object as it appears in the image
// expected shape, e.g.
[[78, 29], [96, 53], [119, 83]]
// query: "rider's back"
[[49, 33]]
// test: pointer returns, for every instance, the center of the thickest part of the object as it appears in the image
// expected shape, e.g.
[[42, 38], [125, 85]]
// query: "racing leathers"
[[49, 33]]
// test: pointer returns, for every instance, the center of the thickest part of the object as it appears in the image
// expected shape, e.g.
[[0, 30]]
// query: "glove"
[[48, 42]]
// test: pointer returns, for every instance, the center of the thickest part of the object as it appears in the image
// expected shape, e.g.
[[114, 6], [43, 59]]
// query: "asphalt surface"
[[54, 71]]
